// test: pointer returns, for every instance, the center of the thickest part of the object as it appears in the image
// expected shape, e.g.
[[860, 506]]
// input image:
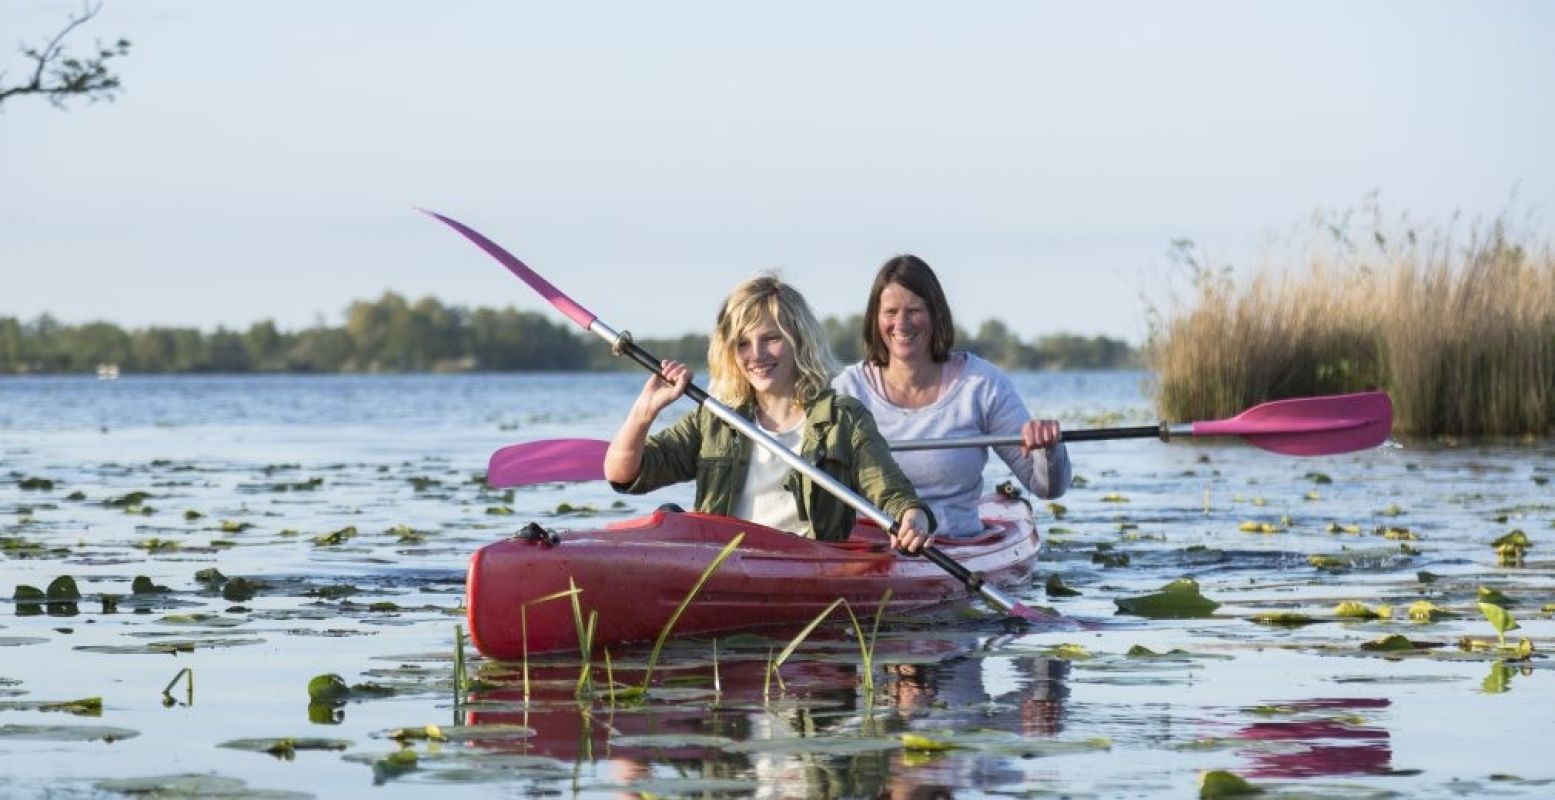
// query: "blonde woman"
[[768, 360]]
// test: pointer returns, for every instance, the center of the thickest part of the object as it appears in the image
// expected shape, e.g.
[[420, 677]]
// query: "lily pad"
[[1220, 783], [1283, 618], [286, 747], [66, 733], [1179, 599], [174, 787], [1055, 587]]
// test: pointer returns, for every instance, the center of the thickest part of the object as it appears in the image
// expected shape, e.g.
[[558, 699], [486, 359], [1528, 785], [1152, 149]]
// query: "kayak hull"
[[632, 575]]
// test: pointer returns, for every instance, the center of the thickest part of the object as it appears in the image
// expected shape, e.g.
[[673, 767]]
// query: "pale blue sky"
[[265, 156]]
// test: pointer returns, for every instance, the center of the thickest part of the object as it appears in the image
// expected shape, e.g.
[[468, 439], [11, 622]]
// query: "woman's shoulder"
[[850, 376]]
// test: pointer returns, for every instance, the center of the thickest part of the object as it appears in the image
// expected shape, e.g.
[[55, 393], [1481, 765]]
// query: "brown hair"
[[913, 274], [751, 303]]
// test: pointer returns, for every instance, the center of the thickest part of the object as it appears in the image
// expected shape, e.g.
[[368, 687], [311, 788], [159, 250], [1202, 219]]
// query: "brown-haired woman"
[[918, 387]]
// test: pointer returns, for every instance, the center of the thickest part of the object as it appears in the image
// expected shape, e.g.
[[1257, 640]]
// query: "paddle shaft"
[[1164, 432], [622, 345]]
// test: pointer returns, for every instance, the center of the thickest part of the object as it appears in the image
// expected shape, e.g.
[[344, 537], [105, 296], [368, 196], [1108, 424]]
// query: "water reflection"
[[1324, 737], [813, 737]]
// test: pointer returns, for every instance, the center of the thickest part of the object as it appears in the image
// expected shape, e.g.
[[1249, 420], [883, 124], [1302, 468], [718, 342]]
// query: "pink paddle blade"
[[552, 295], [1310, 426], [547, 461]]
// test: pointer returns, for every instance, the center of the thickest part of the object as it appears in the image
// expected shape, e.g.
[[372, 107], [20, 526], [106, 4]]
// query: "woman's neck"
[[778, 412], [912, 384]]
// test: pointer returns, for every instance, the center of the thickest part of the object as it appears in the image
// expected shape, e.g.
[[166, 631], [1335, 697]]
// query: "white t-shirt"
[[975, 399], [764, 499]]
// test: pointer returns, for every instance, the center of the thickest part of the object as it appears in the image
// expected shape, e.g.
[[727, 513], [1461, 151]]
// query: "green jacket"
[[840, 437]]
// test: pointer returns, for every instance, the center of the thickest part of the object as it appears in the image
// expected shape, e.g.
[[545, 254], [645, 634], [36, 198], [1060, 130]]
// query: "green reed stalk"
[[867, 646], [793, 644], [653, 655]]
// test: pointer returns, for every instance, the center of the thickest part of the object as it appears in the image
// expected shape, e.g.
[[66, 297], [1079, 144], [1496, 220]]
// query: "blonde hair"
[[761, 299]]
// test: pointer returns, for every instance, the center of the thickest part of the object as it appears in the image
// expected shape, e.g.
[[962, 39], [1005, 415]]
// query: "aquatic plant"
[[1459, 331], [669, 625]]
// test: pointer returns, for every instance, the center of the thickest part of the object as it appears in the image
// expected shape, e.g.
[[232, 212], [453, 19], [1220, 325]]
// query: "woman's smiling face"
[[766, 359], [904, 324]]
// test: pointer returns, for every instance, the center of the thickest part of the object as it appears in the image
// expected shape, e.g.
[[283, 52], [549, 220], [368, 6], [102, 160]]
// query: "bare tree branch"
[[59, 76]]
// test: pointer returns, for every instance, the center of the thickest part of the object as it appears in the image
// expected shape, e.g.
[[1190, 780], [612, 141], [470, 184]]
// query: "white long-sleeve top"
[[976, 399]]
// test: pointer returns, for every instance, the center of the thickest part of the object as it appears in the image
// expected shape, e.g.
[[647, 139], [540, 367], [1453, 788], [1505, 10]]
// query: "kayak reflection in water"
[[918, 388], [769, 360]]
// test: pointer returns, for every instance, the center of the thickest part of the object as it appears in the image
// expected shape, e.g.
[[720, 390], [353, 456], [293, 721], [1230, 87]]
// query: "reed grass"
[[707, 572], [775, 664], [1459, 331], [866, 646]]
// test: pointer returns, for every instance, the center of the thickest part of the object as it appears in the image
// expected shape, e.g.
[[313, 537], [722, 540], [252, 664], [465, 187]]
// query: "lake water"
[[251, 476]]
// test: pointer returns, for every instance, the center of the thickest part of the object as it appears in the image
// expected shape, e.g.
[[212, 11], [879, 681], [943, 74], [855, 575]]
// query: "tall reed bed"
[[1461, 334]]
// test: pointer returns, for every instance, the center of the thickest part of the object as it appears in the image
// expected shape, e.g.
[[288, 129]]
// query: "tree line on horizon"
[[392, 334]]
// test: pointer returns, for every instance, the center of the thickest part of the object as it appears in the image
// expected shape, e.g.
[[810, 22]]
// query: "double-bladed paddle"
[[623, 345], [1301, 426]]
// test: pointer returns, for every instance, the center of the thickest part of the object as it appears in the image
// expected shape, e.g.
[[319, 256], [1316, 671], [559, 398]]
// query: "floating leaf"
[[924, 744], [1334, 527], [210, 576], [1113, 497], [1354, 610], [85, 707], [1058, 510], [1179, 599], [1055, 587], [1287, 618], [334, 538], [1514, 539], [1393, 643], [1220, 783], [283, 746], [393, 765], [65, 733], [127, 501], [63, 588], [429, 733], [1426, 611], [328, 688], [1489, 595], [1318, 478], [1258, 527], [240, 590], [143, 585], [1073, 652]]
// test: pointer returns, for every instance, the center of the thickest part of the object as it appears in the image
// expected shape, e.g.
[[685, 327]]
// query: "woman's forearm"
[[624, 458]]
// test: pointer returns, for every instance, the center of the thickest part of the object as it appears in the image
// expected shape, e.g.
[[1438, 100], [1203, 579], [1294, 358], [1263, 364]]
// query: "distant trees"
[[391, 334], [58, 75]]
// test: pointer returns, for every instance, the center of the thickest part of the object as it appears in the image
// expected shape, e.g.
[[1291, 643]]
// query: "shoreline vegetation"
[[1458, 329], [393, 335]]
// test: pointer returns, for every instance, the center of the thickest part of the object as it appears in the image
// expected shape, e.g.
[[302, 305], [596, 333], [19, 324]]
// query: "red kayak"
[[635, 573]]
